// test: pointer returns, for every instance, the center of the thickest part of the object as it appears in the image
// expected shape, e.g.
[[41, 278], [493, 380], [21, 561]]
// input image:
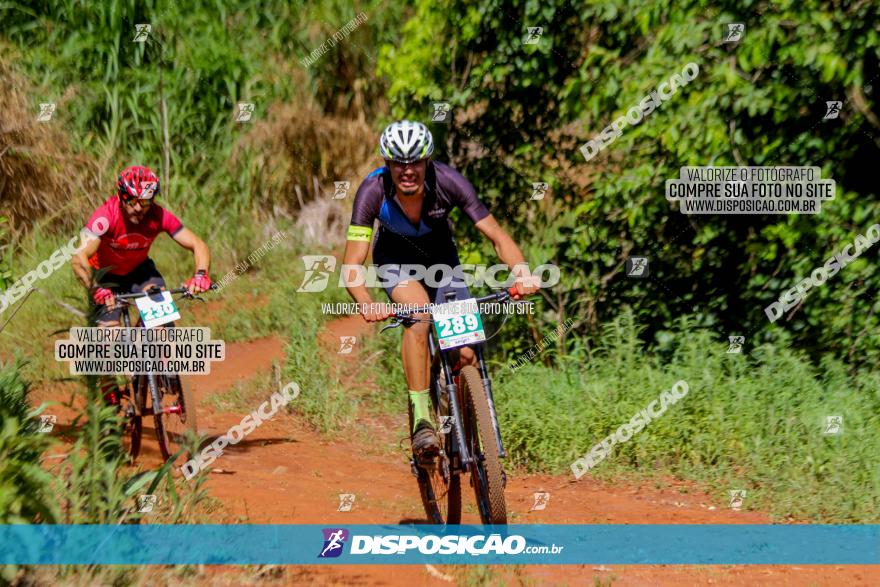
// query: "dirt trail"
[[285, 473]]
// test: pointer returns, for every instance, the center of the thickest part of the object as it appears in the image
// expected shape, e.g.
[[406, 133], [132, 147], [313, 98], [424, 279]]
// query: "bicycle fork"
[[463, 452], [457, 419], [154, 393], [487, 385], [157, 399]]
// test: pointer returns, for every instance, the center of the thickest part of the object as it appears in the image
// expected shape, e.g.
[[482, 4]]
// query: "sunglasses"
[[131, 200]]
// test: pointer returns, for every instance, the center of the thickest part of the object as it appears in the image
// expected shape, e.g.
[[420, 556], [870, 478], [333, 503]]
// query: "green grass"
[[750, 421], [243, 396], [324, 402], [386, 371]]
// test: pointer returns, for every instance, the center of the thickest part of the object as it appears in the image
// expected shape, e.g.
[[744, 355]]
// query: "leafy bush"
[[13, 392], [25, 487], [522, 110]]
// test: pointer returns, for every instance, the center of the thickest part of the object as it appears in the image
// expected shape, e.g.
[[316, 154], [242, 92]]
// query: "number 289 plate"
[[458, 323]]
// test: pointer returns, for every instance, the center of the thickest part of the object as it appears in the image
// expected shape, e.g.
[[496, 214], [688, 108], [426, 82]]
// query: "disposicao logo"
[[334, 540]]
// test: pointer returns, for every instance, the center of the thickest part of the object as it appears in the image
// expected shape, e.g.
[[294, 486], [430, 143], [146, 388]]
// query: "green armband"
[[359, 233]]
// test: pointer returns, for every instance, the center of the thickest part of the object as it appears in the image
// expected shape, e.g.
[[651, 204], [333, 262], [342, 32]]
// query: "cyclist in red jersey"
[[117, 240]]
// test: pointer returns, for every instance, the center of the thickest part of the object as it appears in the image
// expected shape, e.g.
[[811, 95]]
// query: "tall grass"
[[751, 421], [322, 400], [25, 487], [200, 60]]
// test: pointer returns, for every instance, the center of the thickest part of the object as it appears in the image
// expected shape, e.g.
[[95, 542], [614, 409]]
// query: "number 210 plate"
[[458, 323]]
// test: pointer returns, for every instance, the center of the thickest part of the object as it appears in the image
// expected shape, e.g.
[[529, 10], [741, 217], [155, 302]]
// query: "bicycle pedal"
[[413, 468]]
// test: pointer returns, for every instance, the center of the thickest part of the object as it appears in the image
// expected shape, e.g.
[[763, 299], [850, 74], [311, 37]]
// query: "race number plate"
[[157, 310], [458, 323]]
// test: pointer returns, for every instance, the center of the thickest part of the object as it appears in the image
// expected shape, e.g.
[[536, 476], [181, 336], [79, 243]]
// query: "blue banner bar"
[[389, 544]]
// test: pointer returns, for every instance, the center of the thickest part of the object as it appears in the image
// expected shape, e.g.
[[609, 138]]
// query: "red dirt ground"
[[286, 473]]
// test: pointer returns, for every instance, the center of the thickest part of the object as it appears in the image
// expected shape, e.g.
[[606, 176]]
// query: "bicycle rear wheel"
[[175, 418], [440, 489], [486, 470]]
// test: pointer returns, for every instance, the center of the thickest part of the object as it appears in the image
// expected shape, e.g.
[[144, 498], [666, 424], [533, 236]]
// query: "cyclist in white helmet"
[[411, 197]]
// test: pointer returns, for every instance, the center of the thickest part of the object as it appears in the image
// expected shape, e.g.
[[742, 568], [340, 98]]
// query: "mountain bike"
[[167, 398], [464, 409]]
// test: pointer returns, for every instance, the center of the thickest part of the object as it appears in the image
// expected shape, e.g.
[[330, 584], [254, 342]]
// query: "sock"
[[421, 406]]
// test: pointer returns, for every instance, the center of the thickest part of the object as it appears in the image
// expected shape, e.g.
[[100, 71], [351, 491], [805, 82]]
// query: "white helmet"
[[405, 141]]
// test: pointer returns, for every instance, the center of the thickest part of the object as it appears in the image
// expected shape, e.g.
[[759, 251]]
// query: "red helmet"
[[138, 182]]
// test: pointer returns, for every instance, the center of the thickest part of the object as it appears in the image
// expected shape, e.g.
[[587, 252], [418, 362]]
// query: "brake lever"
[[396, 323], [191, 296]]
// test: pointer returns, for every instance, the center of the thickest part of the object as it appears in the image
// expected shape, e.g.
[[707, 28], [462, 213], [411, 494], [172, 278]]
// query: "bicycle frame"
[[459, 445], [126, 321], [152, 385]]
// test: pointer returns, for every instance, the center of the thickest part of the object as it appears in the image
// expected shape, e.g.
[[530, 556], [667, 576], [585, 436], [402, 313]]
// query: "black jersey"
[[399, 240]]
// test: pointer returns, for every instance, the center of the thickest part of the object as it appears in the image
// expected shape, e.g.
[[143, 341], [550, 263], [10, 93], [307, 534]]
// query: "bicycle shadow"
[[420, 521], [244, 445]]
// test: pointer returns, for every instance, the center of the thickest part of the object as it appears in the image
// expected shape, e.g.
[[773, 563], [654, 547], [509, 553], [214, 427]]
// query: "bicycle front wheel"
[[486, 474], [175, 418], [439, 485]]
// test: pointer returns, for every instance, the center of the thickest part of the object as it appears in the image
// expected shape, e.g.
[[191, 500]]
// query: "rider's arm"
[[188, 240], [509, 253], [465, 197], [356, 252], [357, 247], [364, 212], [80, 259], [506, 249]]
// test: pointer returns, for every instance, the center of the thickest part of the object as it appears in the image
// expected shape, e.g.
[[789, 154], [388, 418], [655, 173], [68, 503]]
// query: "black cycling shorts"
[[141, 278]]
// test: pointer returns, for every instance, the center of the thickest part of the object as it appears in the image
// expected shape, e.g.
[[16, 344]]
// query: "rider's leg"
[[139, 279], [107, 384], [466, 354], [108, 318], [414, 349], [147, 277], [415, 356]]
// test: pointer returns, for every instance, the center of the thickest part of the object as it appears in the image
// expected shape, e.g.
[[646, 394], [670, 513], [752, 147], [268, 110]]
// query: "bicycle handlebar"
[[405, 317], [150, 292]]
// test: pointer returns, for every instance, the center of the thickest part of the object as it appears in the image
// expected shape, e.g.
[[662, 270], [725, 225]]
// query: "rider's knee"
[[417, 330], [467, 356]]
